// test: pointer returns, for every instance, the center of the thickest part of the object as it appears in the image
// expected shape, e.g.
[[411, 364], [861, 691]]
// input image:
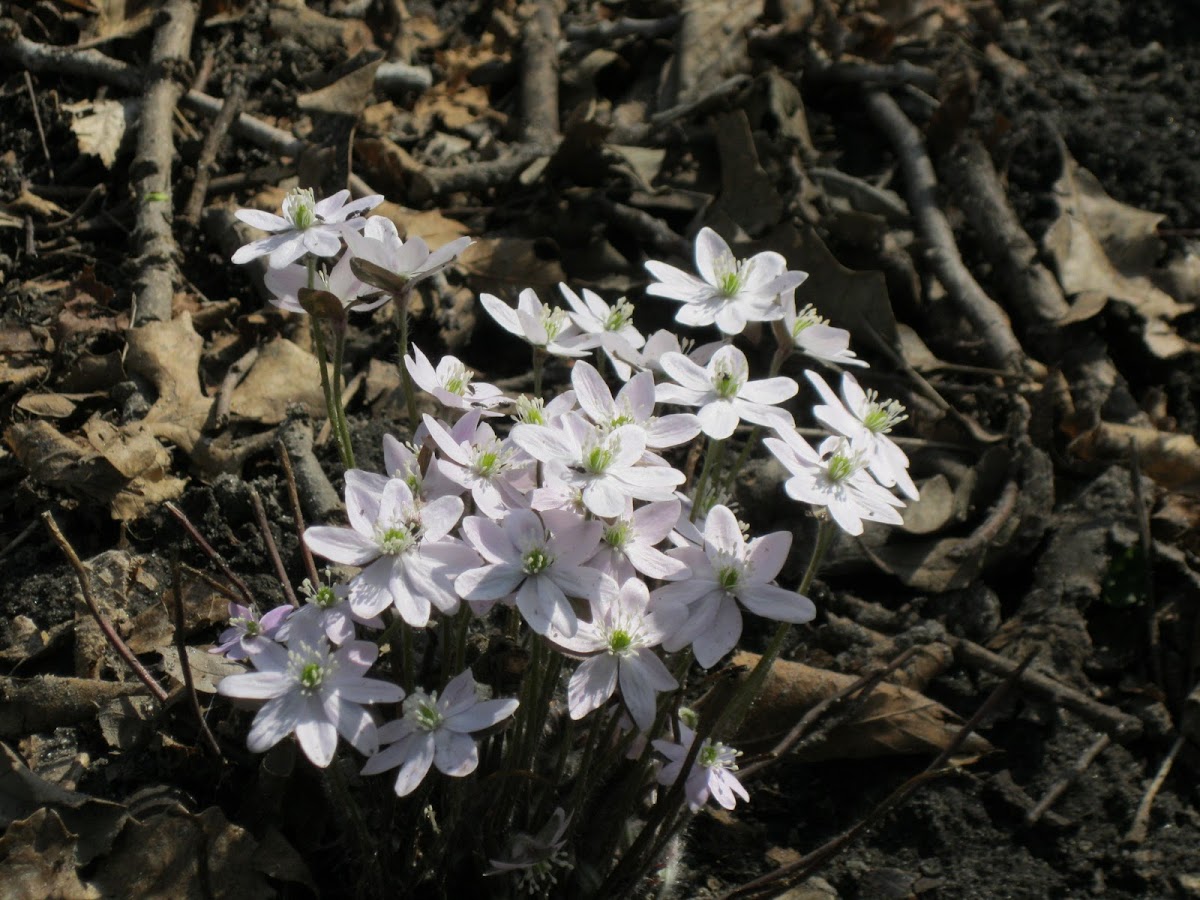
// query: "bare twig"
[[264, 526], [1060, 787], [212, 146], [636, 134], [985, 535], [396, 77], [984, 314], [184, 664], [90, 64], [605, 33], [37, 120], [317, 496], [19, 539], [213, 555], [310, 566], [110, 634], [1141, 821], [154, 290], [642, 225], [871, 74], [220, 412], [770, 884], [539, 72]]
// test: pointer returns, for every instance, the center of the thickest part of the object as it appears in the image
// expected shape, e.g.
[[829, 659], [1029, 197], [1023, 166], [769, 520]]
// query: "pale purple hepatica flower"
[[866, 421], [630, 543], [664, 341], [605, 466], [306, 226], [544, 327], [326, 608], [618, 645], [711, 774], [314, 693], [835, 477], [609, 327], [542, 567], [812, 335], [534, 857], [494, 471], [246, 630], [384, 261], [724, 392], [633, 405], [404, 461], [450, 383], [725, 572], [285, 285], [409, 560], [729, 292], [436, 731]]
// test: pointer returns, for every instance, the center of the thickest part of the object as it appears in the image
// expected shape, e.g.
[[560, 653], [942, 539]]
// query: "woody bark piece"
[[539, 73], [1029, 287], [710, 46], [319, 500], [151, 169], [989, 321]]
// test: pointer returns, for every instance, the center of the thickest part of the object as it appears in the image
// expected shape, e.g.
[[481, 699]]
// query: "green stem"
[[327, 387], [410, 396], [712, 460], [342, 428]]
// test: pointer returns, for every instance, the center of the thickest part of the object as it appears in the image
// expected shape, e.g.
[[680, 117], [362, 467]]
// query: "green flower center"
[[395, 540], [841, 467], [726, 384], [710, 755], [730, 283], [728, 577], [620, 641], [536, 561], [806, 318], [458, 381], [881, 416], [421, 709], [530, 410], [554, 321], [486, 462], [312, 675], [300, 208], [617, 535], [250, 626], [598, 460], [619, 316], [324, 597]]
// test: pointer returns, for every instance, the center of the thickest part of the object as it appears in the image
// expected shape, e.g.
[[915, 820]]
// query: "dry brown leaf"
[[46, 702], [505, 265], [99, 126], [207, 668], [348, 96], [748, 196], [936, 508], [892, 720], [1173, 460], [19, 376], [131, 450], [28, 203], [153, 629], [282, 376], [49, 406], [37, 859], [1103, 247]]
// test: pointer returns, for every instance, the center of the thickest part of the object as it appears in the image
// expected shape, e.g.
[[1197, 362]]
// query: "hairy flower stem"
[[539, 363], [713, 455], [331, 407], [409, 679], [755, 432], [342, 428], [410, 396], [346, 808]]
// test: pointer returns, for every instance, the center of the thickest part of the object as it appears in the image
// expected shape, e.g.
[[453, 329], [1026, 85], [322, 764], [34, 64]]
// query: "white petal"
[[591, 684]]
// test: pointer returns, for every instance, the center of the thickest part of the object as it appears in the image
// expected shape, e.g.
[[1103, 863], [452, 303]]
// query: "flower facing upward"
[[727, 571], [724, 392], [711, 774], [312, 692], [618, 643], [436, 731], [246, 629], [306, 226], [608, 327], [729, 292]]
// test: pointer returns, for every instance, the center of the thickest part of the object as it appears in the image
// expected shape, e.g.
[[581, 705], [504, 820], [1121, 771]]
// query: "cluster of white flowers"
[[573, 513]]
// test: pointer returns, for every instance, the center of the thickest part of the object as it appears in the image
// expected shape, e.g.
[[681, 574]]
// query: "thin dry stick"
[[37, 119], [223, 589], [264, 526], [862, 688], [310, 565], [770, 884], [212, 146], [154, 238], [184, 665], [1141, 821], [1059, 787], [110, 634], [984, 314], [220, 412], [213, 555]]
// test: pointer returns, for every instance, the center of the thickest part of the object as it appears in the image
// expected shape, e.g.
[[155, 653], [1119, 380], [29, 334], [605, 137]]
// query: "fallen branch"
[[1137, 831], [212, 146], [317, 496], [604, 33], [539, 72], [154, 288], [990, 322], [1060, 787], [110, 634]]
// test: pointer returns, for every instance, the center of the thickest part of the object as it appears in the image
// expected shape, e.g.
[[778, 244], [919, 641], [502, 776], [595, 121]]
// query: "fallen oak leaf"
[[1173, 460]]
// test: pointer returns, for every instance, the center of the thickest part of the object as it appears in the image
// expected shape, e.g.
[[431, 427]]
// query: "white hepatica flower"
[[729, 292], [866, 421], [450, 383], [327, 608], [542, 567], [610, 327], [724, 392], [533, 858], [306, 226], [634, 405], [436, 731], [664, 341], [727, 571], [476, 460], [312, 692], [409, 560], [545, 327], [836, 478], [405, 461], [603, 465], [814, 336], [711, 774], [618, 644], [630, 543], [393, 265], [285, 285]]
